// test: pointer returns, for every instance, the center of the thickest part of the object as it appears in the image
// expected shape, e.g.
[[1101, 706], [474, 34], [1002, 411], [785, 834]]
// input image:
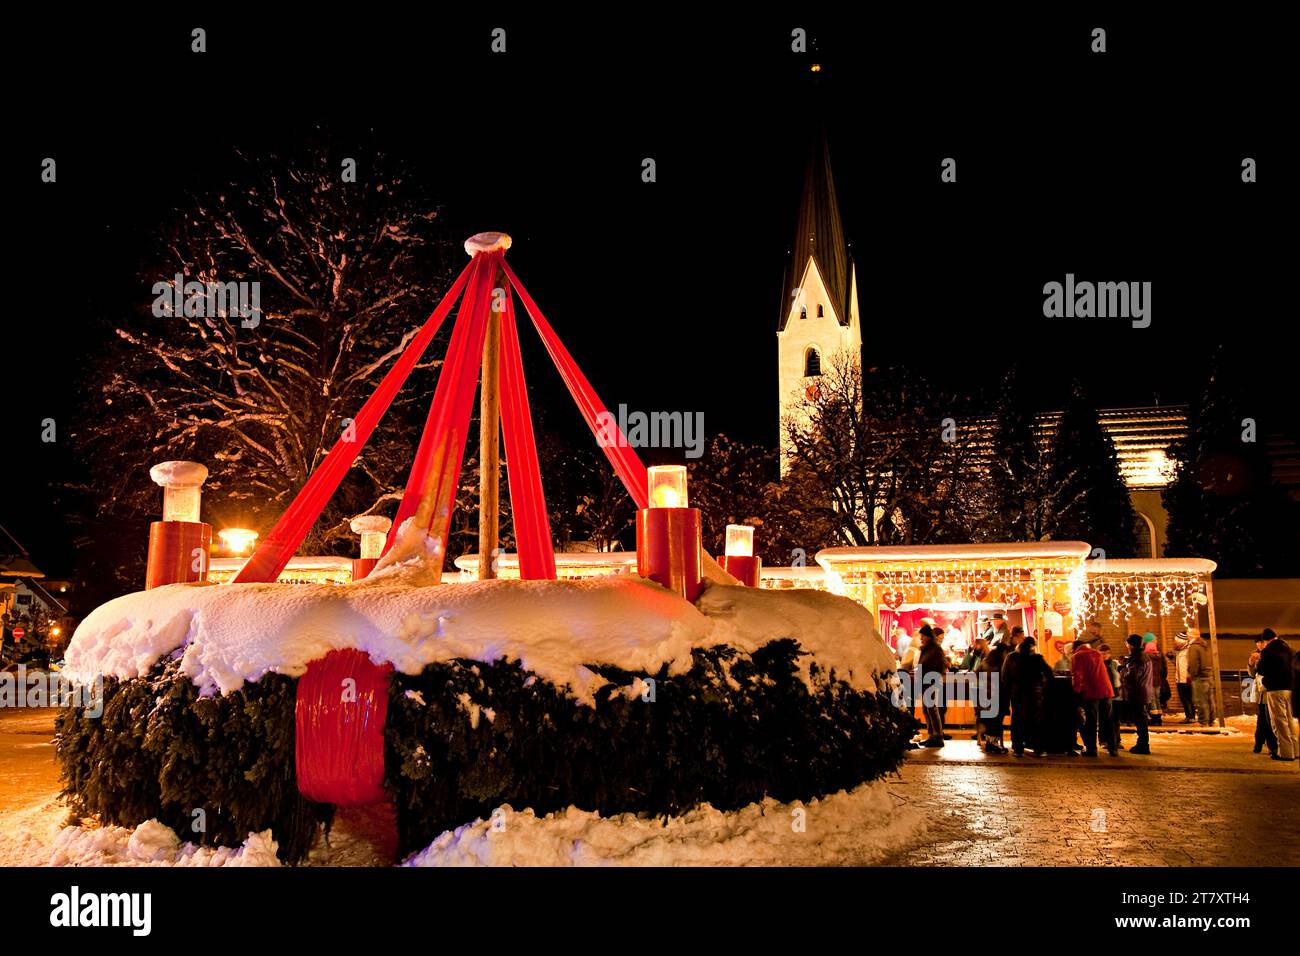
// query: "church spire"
[[819, 233]]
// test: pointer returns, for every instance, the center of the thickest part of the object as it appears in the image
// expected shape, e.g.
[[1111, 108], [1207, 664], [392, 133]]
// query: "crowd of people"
[[1105, 689]]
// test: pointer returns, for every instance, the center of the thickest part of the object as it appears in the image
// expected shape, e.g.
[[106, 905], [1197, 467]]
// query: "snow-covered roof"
[[811, 572], [299, 563], [1023, 550], [1151, 566], [563, 559]]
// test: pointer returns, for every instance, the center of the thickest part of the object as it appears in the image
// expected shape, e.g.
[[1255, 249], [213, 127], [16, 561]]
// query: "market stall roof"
[[1151, 566], [810, 572], [579, 559], [1013, 551]]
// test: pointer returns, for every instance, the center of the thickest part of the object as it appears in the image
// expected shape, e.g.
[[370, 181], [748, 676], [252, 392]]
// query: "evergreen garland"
[[161, 751], [733, 729]]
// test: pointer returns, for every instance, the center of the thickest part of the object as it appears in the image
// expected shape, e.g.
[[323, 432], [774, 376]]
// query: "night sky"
[[1122, 166]]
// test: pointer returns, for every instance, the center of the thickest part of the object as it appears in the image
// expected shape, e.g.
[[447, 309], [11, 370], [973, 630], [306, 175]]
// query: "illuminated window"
[[803, 312]]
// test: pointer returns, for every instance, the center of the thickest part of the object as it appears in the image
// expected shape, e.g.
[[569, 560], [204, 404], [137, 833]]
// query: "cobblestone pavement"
[[1197, 802]]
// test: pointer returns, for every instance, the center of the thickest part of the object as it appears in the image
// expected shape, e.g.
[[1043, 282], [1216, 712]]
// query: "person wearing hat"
[[1181, 643], [997, 629], [1160, 692], [1135, 682], [934, 662], [1263, 729]]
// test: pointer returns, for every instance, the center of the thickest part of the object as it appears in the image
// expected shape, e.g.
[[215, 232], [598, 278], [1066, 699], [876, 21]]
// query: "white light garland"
[[1149, 595]]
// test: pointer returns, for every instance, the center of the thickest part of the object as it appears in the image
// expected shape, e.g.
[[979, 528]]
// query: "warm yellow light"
[[740, 541], [816, 67], [56, 631], [237, 540], [667, 486]]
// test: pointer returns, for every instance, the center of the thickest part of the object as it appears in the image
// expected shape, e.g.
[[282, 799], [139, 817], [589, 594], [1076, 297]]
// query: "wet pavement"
[[1198, 800]]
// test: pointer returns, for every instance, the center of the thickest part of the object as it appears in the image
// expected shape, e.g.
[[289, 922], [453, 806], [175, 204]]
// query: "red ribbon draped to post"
[[279, 546], [436, 469], [626, 462], [342, 698], [532, 525]]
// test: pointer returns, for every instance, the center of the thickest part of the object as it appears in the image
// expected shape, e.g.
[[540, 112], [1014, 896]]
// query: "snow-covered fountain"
[[256, 705]]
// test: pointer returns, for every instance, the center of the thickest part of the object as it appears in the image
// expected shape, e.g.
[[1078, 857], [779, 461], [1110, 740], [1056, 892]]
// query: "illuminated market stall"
[[1161, 596], [1035, 585]]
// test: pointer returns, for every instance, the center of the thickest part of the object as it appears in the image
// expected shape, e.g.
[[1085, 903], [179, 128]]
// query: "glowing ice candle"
[[740, 541], [668, 486]]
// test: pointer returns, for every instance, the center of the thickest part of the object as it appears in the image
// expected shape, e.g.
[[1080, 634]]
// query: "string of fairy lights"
[[1118, 597]]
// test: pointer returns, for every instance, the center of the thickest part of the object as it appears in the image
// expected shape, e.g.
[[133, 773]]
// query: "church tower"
[[819, 302]]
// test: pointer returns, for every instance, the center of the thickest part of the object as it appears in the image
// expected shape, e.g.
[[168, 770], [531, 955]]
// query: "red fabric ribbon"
[[527, 503], [626, 462], [441, 452], [279, 546]]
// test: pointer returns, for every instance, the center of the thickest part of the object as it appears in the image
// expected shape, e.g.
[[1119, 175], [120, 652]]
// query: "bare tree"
[[345, 272]]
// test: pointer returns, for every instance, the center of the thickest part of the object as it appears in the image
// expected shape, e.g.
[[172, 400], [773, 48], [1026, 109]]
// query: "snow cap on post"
[[172, 474], [371, 523], [486, 242]]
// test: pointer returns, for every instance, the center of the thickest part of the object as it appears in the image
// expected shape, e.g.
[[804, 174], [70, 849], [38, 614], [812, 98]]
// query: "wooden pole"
[[1214, 652], [489, 458]]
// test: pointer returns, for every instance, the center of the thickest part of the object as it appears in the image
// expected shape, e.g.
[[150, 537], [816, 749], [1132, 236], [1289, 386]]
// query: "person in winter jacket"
[[1263, 729], [1025, 676], [1160, 692], [1200, 673], [1093, 688], [1180, 671], [1276, 669], [1112, 670], [990, 669], [933, 665], [1135, 683]]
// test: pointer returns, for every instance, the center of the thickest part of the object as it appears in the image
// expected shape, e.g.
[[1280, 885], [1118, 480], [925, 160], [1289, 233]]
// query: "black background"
[[1119, 166]]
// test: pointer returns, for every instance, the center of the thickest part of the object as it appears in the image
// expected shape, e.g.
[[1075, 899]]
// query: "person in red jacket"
[[1093, 687]]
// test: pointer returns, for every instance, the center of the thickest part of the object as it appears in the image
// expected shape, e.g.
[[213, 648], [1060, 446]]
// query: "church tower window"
[[812, 363]]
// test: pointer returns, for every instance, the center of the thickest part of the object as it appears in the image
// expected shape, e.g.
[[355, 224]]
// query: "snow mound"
[[232, 633], [149, 844], [856, 827]]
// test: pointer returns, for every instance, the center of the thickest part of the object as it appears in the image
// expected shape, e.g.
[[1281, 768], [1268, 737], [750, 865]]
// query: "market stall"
[[1160, 596], [1033, 585]]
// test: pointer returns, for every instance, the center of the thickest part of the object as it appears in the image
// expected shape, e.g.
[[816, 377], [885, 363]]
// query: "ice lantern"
[[738, 559], [668, 545], [667, 486], [740, 541], [179, 545], [374, 532]]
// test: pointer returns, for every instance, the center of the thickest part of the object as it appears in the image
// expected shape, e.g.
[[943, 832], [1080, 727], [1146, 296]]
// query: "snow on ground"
[[231, 633], [39, 836], [857, 827]]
